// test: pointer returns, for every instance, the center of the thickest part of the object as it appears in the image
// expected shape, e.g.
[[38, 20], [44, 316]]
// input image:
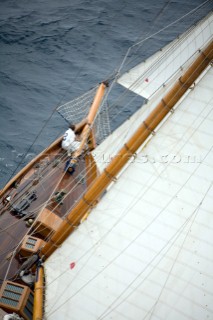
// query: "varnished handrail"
[[38, 294]]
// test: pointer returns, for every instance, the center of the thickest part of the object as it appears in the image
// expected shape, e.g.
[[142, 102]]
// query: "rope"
[[177, 92], [60, 101], [171, 241], [154, 66], [111, 261], [159, 31], [153, 182], [3, 230]]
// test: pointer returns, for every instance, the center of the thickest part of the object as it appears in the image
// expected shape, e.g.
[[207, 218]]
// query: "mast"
[[138, 138], [91, 117]]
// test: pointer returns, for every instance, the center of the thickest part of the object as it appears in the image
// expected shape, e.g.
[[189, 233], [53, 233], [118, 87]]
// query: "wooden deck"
[[46, 179]]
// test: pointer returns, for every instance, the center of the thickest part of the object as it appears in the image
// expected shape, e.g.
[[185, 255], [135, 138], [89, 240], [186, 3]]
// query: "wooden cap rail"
[[38, 294]]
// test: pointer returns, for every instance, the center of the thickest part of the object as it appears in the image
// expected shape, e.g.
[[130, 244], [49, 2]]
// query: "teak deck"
[[45, 177]]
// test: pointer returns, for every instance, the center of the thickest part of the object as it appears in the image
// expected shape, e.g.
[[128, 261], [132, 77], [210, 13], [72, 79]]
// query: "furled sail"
[[147, 77]]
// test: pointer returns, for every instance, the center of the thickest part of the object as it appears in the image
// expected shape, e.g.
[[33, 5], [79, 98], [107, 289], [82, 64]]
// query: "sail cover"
[[145, 251], [147, 77]]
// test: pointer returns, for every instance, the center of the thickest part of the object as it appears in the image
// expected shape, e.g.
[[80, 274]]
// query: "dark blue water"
[[52, 51]]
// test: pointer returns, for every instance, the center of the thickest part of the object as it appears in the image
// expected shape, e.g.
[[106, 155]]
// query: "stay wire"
[[97, 274], [152, 309], [193, 12], [190, 175], [63, 96], [172, 240], [159, 31], [162, 111], [117, 74]]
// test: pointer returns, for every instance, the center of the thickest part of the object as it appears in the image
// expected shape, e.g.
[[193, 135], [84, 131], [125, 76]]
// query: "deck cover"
[[145, 251]]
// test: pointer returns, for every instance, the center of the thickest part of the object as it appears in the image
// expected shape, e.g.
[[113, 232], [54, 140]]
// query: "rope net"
[[102, 124], [76, 110]]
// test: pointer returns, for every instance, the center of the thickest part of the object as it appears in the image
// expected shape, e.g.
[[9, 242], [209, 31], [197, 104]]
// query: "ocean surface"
[[53, 51]]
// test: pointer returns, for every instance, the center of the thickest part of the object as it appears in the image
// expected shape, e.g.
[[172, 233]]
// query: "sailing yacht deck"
[[44, 179], [145, 251]]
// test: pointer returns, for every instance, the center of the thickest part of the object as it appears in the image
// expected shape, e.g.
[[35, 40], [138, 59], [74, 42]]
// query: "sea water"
[[53, 51]]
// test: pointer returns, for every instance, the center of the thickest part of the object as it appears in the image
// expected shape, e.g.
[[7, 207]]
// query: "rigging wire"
[[177, 92], [46, 124], [118, 113], [113, 260], [63, 96], [158, 15], [159, 31], [114, 75], [181, 148], [152, 309], [148, 225], [18, 221], [122, 96], [193, 12], [42, 206], [49, 199], [173, 239], [145, 75], [29, 184], [30, 188]]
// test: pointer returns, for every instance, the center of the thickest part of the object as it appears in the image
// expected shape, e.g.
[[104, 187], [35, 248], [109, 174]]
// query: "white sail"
[[147, 77], [145, 251]]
